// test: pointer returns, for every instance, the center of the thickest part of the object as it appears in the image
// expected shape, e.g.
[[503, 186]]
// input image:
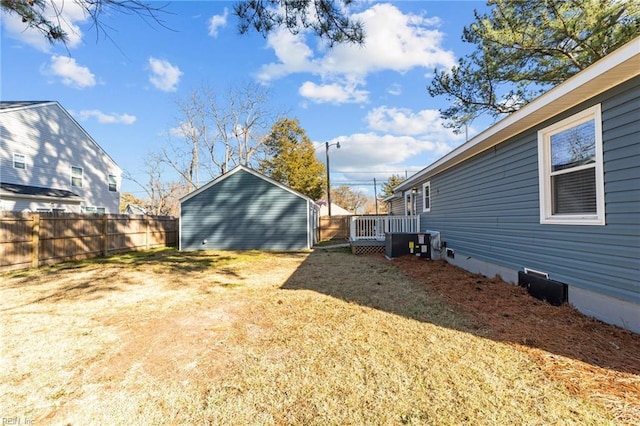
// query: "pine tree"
[[390, 185], [525, 47], [291, 159]]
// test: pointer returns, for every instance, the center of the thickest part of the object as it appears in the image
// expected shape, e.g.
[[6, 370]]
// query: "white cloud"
[[176, 131], [394, 42], [182, 130], [164, 76], [395, 89], [102, 118], [292, 52], [406, 122], [367, 151], [399, 139], [217, 21], [71, 73], [70, 15], [332, 93]]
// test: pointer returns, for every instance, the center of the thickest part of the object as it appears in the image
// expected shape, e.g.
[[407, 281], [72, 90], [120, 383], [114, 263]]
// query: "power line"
[[376, 171], [347, 183]]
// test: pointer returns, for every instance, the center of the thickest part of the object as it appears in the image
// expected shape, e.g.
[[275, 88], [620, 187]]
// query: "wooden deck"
[[367, 233]]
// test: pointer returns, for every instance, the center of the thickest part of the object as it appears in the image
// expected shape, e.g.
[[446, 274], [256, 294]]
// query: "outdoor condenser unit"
[[419, 244]]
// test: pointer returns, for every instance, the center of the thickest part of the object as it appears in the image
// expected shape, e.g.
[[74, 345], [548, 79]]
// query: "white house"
[[48, 162], [336, 210]]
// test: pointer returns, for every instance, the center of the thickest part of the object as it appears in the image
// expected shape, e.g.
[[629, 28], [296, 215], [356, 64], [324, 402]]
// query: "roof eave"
[[74, 199], [391, 197], [610, 71]]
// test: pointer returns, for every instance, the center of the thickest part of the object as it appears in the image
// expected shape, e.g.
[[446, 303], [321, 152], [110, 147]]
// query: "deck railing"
[[374, 227]]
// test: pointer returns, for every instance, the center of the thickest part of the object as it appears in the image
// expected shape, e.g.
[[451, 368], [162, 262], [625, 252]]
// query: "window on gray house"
[[426, 197], [571, 170]]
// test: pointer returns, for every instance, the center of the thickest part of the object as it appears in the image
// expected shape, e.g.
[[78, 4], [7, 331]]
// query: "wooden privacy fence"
[[33, 239], [334, 228]]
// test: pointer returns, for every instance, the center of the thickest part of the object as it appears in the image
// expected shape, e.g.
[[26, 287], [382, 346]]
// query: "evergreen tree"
[[525, 47], [390, 185], [328, 19], [291, 159], [45, 16]]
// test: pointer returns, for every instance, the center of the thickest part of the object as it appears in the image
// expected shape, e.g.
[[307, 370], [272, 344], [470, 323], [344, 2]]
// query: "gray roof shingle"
[[14, 188]]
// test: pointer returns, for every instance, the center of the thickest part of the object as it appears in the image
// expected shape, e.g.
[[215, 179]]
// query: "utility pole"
[[375, 193], [327, 145]]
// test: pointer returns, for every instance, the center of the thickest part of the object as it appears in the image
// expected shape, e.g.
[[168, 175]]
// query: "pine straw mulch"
[[591, 358]]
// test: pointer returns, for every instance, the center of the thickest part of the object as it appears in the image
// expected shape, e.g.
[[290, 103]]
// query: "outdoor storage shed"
[[245, 210]]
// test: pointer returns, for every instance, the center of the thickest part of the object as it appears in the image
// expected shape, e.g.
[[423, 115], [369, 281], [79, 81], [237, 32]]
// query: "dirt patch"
[[592, 359]]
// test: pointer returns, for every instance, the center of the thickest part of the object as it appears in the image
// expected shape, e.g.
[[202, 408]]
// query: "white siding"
[[52, 142]]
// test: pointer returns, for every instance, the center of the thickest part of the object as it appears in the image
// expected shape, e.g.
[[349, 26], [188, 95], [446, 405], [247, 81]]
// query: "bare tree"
[[162, 195], [183, 155], [352, 200], [216, 133]]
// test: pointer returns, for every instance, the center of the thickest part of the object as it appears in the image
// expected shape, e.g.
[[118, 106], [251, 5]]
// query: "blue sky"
[[372, 99]]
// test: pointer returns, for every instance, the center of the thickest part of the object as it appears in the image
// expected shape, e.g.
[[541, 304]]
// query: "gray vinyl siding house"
[[245, 210], [49, 162], [491, 203]]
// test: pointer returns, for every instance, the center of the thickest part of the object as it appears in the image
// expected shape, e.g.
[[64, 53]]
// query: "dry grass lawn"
[[317, 338]]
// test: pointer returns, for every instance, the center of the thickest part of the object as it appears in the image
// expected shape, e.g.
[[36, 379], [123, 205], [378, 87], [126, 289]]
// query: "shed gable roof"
[[247, 170], [614, 69]]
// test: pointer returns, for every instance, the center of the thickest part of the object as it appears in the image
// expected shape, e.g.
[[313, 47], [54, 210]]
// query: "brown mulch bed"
[[591, 358]]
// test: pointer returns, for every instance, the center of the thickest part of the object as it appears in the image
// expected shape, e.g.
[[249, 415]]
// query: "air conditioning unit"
[[422, 244]]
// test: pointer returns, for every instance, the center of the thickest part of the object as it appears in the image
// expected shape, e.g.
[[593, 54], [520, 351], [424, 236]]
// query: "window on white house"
[[94, 209], [19, 161], [113, 183], [76, 176], [571, 170], [426, 197]]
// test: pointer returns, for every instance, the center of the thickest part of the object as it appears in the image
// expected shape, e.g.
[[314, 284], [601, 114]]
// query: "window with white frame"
[[409, 199], [76, 176], [19, 161], [426, 197], [113, 183], [571, 171], [94, 209]]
